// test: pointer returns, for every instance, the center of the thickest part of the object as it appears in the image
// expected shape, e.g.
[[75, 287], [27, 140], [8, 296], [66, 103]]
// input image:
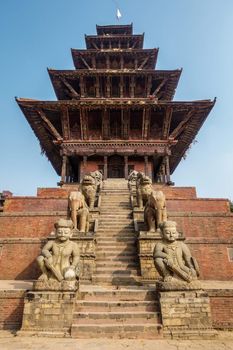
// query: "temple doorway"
[[115, 167]]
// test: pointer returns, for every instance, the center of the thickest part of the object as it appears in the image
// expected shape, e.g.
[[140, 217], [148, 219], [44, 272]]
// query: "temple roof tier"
[[70, 84], [115, 29], [174, 124], [92, 58], [100, 42]]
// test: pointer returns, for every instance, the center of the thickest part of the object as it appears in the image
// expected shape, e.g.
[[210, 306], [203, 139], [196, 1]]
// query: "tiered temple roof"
[[115, 102]]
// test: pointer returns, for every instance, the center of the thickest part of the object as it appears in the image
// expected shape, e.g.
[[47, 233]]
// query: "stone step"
[[111, 331], [117, 265], [115, 255], [122, 259], [148, 317], [116, 306], [113, 243], [117, 280], [114, 240], [127, 295], [112, 272]]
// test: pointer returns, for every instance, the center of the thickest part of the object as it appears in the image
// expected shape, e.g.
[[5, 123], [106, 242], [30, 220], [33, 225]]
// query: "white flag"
[[118, 14]]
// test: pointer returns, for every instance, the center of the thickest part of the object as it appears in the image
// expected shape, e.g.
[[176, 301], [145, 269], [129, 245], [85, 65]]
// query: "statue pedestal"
[[48, 313], [186, 313]]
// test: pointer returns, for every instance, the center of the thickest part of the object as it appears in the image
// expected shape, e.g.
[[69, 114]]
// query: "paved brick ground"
[[10, 342]]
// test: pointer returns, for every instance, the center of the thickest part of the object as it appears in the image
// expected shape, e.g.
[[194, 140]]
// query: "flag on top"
[[118, 14]]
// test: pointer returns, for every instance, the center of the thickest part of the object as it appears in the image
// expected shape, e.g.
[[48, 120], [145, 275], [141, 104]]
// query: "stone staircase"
[[116, 305]]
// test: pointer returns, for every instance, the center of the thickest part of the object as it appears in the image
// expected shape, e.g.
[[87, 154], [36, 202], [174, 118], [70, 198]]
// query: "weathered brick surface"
[[22, 204], [177, 192], [222, 311], [18, 260], [198, 205], [27, 226], [11, 309], [213, 261]]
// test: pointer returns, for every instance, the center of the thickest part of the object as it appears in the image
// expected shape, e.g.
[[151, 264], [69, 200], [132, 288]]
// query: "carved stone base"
[[48, 311], [54, 285], [186, 314], [178, 285]]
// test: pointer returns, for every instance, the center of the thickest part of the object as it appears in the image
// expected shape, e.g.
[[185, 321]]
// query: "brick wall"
[[11, 309], [222, 311], [35, 204]]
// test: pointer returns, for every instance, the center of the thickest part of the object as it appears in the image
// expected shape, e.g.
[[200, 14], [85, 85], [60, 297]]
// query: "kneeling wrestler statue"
[[59, 260], [172, 258]]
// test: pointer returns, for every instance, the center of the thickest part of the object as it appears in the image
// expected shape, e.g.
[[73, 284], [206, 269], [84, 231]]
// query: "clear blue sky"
[[193, 34]]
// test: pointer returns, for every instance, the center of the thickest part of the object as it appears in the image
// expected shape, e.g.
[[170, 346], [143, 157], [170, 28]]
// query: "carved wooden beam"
[[72, 91], [143, 63], [134, 44], [160, 87], [49, 126], [175, 133], [65, 123], [95, 46], [93, 62], [167, 123], [85, 62]]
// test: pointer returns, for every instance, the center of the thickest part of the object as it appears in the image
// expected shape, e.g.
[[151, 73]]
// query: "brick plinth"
[[48, 311], [186, 314]]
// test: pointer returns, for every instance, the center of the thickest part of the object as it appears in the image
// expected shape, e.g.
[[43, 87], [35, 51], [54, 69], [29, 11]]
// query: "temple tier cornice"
[[93, 58], [140, 148], [176, 123], [74, 84], [99, 42]]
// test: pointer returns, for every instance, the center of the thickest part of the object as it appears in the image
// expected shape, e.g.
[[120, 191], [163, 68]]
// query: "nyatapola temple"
[[116, 249]]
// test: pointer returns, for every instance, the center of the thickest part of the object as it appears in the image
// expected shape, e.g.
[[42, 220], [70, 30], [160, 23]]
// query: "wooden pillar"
[[108, 89], [126, 167], [84, 165], [121, 86], [167, 168], [105, 167], [63, 169], [136, 63], [108, 62], [146, 165], [82, 90], [132, 83], [97, 87], [122, 62]]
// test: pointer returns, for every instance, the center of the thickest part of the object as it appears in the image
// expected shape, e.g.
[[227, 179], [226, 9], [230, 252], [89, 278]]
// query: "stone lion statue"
[[98, 176], [78, 211], [88, 188], [155, 211], [172, 258], [143, 188]]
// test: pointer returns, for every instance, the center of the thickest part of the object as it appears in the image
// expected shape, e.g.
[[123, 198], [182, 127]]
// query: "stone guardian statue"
[[59, 259], [172, 258]]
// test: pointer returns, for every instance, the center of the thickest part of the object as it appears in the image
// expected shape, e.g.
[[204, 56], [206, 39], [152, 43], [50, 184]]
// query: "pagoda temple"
[[115, 112]]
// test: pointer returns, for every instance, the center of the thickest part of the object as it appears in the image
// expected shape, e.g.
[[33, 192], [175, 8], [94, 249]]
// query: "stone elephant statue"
[[143, 188], [155, 211], [79, 212]]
